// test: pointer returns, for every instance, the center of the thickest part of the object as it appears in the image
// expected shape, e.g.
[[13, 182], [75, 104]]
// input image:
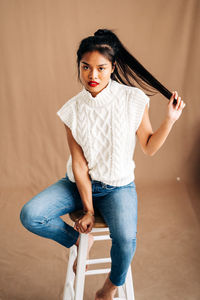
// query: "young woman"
[[102, 122]]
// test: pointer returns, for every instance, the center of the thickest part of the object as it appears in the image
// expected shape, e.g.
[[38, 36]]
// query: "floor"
[[166, 264]]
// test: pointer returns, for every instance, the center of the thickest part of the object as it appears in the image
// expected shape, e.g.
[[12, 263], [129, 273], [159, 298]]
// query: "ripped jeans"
[[117, 205]]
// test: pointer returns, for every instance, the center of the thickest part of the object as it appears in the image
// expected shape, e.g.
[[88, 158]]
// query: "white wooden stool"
[[125, 292]]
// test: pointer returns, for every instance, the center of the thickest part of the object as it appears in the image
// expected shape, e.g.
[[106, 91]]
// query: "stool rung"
[[98, 261], [97, 271], [99, 229], [101, 237]]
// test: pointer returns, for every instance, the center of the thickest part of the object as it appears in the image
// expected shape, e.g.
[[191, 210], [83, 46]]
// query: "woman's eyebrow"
[[83, 62]]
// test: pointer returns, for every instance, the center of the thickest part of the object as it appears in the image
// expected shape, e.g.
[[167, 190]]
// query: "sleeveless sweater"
[[105, 127]]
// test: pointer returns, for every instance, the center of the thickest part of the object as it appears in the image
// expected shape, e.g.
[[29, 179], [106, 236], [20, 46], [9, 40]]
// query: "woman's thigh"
[[60, 198], [119, 210]]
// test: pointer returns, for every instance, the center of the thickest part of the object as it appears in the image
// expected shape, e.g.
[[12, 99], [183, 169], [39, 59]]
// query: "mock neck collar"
[[102, 98]]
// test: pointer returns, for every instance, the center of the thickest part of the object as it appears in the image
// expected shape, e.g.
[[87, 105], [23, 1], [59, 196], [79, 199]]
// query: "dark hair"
[[127, 67]]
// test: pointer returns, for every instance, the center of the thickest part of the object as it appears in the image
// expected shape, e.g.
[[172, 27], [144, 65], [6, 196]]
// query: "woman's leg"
[[41, 214], [119, 209]]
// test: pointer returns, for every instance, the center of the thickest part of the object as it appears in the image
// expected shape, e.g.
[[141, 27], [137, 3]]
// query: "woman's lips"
[[92, 83]]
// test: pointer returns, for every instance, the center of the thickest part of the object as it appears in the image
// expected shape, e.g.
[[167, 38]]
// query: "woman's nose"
[[93, 74]]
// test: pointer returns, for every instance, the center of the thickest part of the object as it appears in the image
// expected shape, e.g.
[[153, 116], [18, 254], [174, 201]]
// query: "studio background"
[[38, 44]]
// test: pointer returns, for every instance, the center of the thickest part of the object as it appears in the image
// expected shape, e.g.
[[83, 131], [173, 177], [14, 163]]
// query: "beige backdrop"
[[38, 43]]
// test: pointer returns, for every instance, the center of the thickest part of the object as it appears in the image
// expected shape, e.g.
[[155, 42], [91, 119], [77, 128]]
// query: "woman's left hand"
[[84, 224], [174, 111]]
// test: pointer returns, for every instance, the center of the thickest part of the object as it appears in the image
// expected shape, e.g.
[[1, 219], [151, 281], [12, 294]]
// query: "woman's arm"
[[80, 170], [152, 141]]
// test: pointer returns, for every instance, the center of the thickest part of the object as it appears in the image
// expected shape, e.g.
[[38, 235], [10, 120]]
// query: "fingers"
[[82, 227], [84, 224], [89, 228], [180, 103], [77, 226], [172, 98]]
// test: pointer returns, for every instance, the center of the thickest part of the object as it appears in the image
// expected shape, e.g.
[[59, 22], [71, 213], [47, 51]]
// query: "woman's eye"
[[86, 67]]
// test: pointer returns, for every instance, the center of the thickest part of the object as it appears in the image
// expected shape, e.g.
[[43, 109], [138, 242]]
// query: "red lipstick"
[[93, 83]]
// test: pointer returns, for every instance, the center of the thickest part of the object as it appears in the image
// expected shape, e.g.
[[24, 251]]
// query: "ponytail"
[[127, 67]]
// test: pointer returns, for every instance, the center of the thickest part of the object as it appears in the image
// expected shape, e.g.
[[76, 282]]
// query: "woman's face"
[[95, 67]]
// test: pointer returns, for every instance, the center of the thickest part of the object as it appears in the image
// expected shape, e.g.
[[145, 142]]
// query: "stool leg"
[[129, 285], [69, 283], [121, 291], [81, 264]]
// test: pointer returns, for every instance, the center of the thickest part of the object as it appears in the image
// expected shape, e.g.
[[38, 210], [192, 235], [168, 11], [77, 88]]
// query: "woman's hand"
[[174, 111], [84, 224]]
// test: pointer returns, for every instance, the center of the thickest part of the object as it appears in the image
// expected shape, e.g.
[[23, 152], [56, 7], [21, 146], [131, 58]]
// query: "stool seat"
[[99, 220]]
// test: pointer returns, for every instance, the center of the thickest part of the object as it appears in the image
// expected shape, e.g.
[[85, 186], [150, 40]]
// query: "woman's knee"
[[25, 215], [29, 215], [124, 248], [125, 241]]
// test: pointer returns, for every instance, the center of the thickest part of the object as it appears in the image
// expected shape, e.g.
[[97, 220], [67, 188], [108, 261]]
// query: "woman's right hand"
[[85, 223]]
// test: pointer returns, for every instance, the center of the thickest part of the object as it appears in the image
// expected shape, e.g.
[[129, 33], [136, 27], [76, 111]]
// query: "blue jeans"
[[117, 205]]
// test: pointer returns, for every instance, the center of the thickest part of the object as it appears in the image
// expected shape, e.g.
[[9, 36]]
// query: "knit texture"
[[105, 127]]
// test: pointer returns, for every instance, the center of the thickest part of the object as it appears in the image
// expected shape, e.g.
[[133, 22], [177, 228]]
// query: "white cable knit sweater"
[[105, 127]]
